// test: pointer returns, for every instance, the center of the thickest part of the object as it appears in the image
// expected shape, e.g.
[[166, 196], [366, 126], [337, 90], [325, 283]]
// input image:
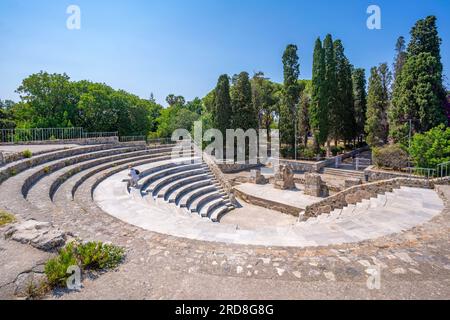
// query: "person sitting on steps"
[[134, 175]]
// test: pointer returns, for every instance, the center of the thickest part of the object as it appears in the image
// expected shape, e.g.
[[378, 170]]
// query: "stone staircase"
[[399, 200], [189, 186], [344, 173]]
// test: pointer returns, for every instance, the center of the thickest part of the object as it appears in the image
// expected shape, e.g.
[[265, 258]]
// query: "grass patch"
[[27, 154], [6, 218], [88, 256]]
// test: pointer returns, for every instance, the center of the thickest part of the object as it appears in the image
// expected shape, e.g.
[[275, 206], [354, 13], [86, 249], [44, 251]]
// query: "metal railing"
[[443, 169], [12, 136], [131, 138], [39, 134], [160, 141], [361, 163]]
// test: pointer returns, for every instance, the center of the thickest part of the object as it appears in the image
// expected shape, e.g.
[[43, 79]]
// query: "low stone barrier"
[[81, 141], [236, 167], [374, 174], [369, 190], [265, 203]]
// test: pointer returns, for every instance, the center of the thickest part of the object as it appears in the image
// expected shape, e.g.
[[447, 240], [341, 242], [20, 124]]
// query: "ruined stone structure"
[[284, 178]]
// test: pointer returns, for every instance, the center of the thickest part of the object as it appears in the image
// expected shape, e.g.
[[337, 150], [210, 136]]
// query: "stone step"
[[157, 185], [211, 205], [171, 188], [199, 202], [158, 173], [180, 194], [218, 212], [344, 173]]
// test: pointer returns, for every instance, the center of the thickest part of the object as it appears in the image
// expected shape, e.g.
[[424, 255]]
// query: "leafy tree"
[[264, 100], [195, 106], [172, 99], [290, 96], [345, 123], [319, 113], [360, 101], [49, 97], [431, 148], [222, 104], [377, 106], [244, 114], [6, 117]]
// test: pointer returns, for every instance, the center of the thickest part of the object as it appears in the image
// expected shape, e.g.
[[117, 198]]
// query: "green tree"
[[431, 148], [244, 114], [360, 102], [291, 95], [419, 95], [304, 127], [330, 89], [400, 56], [377, 106], [264, 100], [345, 123], [222, 104], [6, 115], [172, 99], [319, 113]]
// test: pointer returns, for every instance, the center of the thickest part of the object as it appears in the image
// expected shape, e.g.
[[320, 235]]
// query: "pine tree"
[[377, 106], [222, 105], [345, 123], [319, 114], [330, 87], [291, 93], [360, 102], [419, 95], [244, 114]]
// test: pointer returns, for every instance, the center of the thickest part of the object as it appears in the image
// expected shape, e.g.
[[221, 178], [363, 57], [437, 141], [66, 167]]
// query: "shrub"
[[90, 255], [6, 218], [431, 148], [56, 268], [390, 156], [46, 170], [337, 150], [27, 154], [96, 255]]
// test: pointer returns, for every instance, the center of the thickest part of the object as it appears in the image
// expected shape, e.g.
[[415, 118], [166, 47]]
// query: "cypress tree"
[[330, 87], [291, 93], [377, 106], [360, 101], [345, 123], [400, 56], [319, 108], [303, 118], [244, 114], [222, 105], [419, 93]]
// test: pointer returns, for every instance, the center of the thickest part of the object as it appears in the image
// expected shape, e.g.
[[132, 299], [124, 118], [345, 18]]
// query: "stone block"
[[257, 178], [284, 178], [352, 182]]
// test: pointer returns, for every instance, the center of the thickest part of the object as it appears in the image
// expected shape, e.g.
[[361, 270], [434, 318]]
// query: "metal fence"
[[160, 141], [131, 138], [49, 134]]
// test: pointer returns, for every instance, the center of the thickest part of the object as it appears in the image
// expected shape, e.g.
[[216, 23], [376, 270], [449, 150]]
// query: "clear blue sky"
[[182, 46]]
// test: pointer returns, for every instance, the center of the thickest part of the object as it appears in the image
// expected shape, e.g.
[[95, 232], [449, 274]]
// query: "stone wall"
[[370, 190], [82, 141], [265, 203], [236, 167], [374, 174]]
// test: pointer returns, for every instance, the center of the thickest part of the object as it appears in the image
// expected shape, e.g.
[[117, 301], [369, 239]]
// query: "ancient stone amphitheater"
[[177, 246]]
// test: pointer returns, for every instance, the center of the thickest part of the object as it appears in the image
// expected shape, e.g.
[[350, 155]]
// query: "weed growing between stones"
[[27, 154], [6, 218], [88, 256]]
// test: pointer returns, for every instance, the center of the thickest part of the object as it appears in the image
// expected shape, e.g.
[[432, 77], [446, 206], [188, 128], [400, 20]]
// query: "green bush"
[[56, 268], [27, 154], [391, 157], [337, 150], [431, 148], [90, 255], [96, 255]]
